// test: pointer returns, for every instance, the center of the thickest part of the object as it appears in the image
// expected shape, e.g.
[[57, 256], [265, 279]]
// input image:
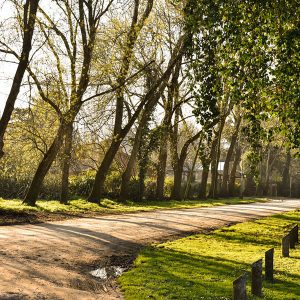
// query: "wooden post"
[[285, 246], [256, 286], [239, 288], [269, 264]]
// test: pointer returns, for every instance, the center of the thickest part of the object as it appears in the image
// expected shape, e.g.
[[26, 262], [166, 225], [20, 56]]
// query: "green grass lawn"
[[204, 266], [110, 206]]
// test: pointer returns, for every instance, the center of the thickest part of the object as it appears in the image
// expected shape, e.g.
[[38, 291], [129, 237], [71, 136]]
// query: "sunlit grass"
[[111, 206], [203, 266]]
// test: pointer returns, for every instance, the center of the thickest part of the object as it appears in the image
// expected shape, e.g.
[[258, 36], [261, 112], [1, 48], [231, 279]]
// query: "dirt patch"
[[18, 218], [13, 296]]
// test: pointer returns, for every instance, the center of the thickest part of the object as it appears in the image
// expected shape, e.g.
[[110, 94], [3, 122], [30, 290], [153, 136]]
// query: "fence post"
[[239, 288], [256, 286], [285, 246], [269, 264]]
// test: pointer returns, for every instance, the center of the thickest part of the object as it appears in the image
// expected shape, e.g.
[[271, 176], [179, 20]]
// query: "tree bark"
[[64, 196], [166, 129], [98, 187], [141, 185], [124, 192], [145, 116], [178, 171], [235, 164], [189, 181], [285, 182], [215, 157], [204, 178], [178, 167], [30, 9], [44, 166], [225, 180], [161, 169], [265, 188]]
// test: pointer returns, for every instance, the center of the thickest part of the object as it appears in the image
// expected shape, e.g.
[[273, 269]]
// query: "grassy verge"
[[203, 266], [13, 211]]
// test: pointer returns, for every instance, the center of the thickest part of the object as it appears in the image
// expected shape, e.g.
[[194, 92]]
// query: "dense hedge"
[[80, 186]]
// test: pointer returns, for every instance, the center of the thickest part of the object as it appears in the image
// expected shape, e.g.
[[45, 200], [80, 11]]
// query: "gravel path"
[[53, 260]]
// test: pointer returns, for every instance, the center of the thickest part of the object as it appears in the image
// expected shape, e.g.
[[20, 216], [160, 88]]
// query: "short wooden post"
[[285, 246], [269, 264], [256, 286], [239, 288]]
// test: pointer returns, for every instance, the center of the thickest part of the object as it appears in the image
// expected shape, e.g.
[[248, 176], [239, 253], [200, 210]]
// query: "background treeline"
[[145, 99]]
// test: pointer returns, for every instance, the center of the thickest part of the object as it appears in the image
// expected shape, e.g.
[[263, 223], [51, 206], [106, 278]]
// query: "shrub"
[[81, 184], [13, 188], [112, 184], [169, 183]]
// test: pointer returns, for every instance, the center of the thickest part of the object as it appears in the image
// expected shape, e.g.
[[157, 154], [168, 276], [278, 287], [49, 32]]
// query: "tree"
[[232, 146], [152, 95], [29, 18], [76, 17]]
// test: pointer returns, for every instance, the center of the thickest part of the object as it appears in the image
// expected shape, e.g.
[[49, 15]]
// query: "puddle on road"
[[112, 267], [108, 272]]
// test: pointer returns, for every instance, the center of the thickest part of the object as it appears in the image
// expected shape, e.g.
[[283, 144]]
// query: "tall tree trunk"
[[214, 166], [231, 185], [145, 116], [285, 182], [179, 164], [203, 184], [133, 156], [189, 181], [166, 129], [142, 176], [265, 189], [124, 192], [64, 196], [161, 169], [178, 171], [30, 9], [98, 187], [132, 36], [225, 180], [215, 157], [44, 166]]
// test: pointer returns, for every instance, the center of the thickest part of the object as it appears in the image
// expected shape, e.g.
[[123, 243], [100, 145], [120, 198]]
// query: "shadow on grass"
[[247, 239], [287, 218], [180, 276], [168, 274]]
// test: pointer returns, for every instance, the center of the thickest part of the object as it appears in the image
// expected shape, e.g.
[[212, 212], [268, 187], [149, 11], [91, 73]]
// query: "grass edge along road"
[[14, 212], [203, 266]]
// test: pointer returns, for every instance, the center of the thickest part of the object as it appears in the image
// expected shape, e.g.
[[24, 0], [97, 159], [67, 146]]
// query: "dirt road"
[[53, 260]]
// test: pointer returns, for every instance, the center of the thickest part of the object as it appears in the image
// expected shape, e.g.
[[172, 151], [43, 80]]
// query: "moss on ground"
[[204, 266]]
